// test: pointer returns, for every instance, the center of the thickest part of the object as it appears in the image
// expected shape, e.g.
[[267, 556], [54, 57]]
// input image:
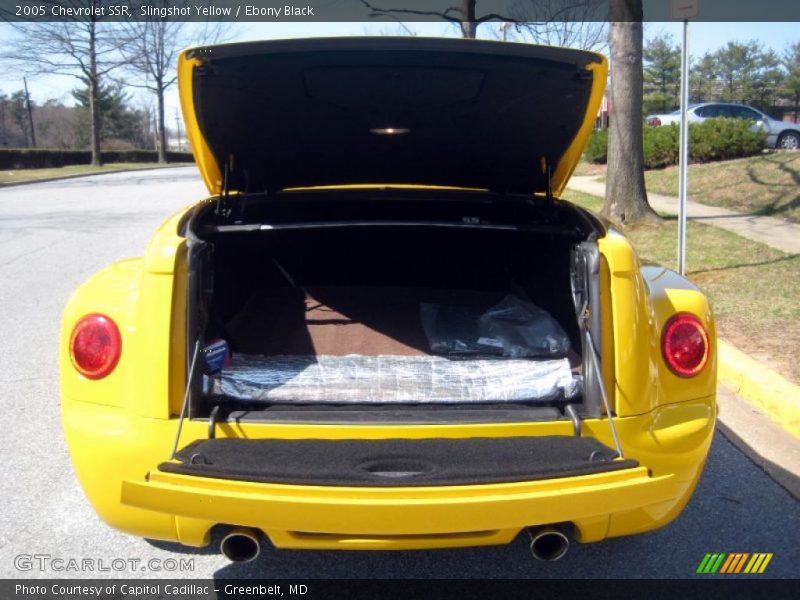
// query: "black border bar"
[[400, 589], [383, 11]]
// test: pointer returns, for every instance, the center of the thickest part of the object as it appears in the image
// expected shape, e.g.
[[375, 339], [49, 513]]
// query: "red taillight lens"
[[95, 346], [684, 344]]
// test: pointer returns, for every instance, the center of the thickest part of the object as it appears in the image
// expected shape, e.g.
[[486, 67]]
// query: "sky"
[[703, 37]]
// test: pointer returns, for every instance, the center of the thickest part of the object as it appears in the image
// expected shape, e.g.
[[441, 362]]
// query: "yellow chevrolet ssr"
[[385, 329]]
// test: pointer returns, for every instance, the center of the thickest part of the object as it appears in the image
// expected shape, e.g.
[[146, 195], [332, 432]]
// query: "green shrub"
[[713, 139], [723, 139], [37, 158], [597, 147], [661, 146]]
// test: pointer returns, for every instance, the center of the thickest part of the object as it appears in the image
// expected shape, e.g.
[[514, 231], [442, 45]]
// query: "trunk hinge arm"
[[223, 200], [595, 360], [186, 396], [549, 191], [547, 171], [212, 422], [575, 418]]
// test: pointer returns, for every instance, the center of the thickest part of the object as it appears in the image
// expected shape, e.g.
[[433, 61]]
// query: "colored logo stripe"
[[710, 563], [758, 563], [728, 562], [734, 562]]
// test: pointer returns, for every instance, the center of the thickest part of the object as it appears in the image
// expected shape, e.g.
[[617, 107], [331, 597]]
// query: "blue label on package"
[[215, 355]]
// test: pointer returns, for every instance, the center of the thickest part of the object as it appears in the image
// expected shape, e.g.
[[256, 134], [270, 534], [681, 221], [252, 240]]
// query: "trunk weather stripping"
[[250, 227]]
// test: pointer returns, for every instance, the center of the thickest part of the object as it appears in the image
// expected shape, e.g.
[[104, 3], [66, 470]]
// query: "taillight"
[[95, 346], [654, 122], [684, 344]]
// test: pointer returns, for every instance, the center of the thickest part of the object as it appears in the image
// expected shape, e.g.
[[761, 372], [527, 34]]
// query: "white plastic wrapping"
[[360, 379]]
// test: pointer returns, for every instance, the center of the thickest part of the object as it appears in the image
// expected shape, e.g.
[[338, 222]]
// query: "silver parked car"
[[780, 134]]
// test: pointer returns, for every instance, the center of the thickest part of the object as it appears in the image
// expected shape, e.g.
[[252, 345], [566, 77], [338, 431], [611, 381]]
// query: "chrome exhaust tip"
[[548, 543], [240, 545]]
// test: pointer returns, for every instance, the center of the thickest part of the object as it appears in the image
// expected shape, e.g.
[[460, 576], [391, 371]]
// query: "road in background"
[[54, 235]]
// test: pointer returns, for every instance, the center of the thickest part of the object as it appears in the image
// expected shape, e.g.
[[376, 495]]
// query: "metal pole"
[[684, 151]]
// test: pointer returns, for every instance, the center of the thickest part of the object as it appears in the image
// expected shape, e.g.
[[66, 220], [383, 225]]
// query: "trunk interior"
[[287, 285]]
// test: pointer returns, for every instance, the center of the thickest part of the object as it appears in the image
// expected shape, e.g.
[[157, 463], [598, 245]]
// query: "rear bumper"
[[115, 455], [302, 516]]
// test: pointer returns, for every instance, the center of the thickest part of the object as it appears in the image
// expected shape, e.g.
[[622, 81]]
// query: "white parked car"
[[780, 134]]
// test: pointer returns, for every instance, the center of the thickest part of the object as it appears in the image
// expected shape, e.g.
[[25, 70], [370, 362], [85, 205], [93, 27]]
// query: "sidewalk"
[[773, 232]]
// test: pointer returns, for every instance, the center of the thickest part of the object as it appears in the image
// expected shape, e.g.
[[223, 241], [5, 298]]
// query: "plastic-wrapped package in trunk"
[[514, 328], [361, 379]]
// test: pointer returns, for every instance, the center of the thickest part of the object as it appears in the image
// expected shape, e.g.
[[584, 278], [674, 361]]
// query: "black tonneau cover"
[[396, 462]]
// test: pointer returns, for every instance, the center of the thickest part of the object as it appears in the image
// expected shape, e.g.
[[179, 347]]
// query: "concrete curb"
[[77, 175], [761, 386]]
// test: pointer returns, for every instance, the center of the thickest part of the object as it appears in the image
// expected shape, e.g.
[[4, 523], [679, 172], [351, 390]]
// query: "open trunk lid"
[[269, 116]]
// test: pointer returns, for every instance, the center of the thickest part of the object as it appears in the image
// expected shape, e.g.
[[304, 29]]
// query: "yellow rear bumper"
[[116, 456], [310, 517]]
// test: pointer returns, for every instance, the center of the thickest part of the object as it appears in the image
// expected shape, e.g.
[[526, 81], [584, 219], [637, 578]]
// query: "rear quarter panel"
[[145, 297], [643, 298]]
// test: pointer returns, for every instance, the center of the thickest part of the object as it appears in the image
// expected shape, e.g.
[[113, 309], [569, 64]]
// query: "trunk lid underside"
[[267, 116]]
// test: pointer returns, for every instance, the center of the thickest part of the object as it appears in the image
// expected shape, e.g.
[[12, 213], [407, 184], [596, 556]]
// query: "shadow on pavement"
[[786, 479]]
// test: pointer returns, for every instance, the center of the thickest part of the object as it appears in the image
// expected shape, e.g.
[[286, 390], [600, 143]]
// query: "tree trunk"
[[162, 128], [4, 139], [30, 114], [94, 111], [469, 27], [626, 198], [94, 105]]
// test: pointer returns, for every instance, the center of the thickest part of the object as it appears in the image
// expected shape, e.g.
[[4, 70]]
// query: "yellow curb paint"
[[761, 386]]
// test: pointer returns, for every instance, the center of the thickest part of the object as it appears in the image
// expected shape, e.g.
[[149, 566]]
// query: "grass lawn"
[[753, 288], [768, 184], [20, 175], [587, 168]]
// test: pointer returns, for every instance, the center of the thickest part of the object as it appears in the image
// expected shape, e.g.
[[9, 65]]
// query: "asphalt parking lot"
[[54, 235]]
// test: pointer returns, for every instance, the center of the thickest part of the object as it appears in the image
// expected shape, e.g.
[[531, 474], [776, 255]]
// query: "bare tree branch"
[[576, 23], [445, 14], [571, 23], [495, 17], [85, 48], [151, 49]]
